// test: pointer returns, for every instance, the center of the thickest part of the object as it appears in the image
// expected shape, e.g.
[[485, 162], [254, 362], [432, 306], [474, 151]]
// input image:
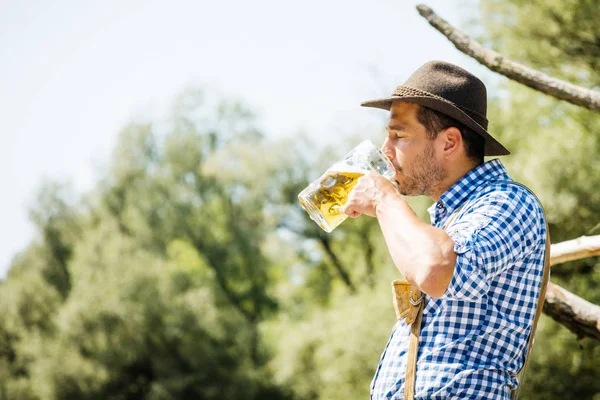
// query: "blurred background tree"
[[191, 271], [557, 153]]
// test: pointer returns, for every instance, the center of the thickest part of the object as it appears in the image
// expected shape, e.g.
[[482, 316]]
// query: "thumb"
[[349, 211]]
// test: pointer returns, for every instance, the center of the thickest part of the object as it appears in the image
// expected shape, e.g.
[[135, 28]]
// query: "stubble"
[[425, 175]]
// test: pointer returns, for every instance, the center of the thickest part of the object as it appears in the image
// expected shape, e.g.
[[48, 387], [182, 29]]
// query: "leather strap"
[[521, 376], [413, 347], [545, 278]]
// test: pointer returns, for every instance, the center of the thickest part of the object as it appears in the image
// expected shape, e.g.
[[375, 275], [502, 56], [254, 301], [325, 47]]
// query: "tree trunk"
[[369, 250], [326, 242], [578, 315]]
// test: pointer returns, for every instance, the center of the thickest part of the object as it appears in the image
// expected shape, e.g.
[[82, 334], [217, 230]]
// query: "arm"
[[491, 236], [422, 253]]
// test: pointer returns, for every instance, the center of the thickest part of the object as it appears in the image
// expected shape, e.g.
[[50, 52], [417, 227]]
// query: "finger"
[[349, 211], [345, 210]]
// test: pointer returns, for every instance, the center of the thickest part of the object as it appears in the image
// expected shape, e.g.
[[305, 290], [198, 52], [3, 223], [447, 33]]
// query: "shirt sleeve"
[[489, 237]]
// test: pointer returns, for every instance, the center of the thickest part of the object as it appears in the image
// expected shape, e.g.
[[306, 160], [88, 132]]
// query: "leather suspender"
[[545, 278], [515, 393], [409, 303]]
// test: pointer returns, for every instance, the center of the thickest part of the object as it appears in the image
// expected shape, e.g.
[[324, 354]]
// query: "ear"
[[451, 141]]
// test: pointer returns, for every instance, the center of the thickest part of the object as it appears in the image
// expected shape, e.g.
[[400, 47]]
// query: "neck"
[[454, 173]]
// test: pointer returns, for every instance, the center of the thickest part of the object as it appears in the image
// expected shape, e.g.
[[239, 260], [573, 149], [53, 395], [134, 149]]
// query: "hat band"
[[402, 91]]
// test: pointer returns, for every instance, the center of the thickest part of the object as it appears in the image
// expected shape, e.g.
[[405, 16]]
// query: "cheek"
[[402, 152], [404, 145]]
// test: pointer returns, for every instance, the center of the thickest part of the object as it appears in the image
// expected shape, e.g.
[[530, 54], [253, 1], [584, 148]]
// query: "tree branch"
[[498, 63], [325, 242], [576, 314], [583, 247], [369, 250]]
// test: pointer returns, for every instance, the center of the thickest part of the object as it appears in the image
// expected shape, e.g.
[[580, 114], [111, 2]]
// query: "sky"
[[73, 73]]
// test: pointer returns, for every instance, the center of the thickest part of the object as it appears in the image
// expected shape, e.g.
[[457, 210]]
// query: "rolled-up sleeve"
[[489, 237]]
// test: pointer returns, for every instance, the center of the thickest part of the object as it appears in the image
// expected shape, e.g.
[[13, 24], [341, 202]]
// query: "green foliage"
[[154, 284], [554, 150], [147, 329], [561, 366], [191, 271], [28, 306], [332, 354], [556, 36], [58, 222]]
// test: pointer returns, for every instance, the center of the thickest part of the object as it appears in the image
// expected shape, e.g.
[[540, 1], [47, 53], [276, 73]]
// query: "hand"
[[367, 193]]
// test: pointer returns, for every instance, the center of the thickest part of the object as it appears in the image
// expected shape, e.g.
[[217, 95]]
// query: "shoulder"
[[501, 223], [508, 196], [507, 205]]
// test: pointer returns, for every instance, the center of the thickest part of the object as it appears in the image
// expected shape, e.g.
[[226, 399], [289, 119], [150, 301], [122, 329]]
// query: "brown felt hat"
[[450, 90]]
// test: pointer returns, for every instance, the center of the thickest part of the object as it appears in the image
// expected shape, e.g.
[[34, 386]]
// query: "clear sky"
[[72, 73]]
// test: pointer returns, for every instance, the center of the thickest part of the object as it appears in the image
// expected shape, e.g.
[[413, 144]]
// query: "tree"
[[166, 282]]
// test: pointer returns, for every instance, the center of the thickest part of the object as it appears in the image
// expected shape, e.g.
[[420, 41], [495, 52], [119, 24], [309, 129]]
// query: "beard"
[[424, 176]]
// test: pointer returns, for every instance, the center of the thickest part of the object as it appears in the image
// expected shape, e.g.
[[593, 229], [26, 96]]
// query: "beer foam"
[[343, 167]]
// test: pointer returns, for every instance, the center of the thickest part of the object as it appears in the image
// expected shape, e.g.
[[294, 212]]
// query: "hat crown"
[[453, 84], [451, 90]]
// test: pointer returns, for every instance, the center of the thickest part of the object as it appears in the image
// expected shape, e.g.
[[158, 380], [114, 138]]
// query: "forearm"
[[422, 253]]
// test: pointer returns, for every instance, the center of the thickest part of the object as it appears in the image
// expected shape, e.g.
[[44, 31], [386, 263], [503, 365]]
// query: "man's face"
[[412, 152]]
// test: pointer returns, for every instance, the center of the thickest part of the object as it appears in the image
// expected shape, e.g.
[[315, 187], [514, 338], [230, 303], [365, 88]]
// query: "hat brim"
[[492, 147]]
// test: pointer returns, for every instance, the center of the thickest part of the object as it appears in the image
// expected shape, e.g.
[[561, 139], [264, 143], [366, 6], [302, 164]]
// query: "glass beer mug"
[[323, 198]]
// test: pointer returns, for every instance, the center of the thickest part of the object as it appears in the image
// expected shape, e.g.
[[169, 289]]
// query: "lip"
[[398, 174]]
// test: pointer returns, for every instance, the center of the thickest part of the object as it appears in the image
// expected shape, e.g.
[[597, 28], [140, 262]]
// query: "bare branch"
[[343, 273], [576, 314], [498, 63], [583, 247], [369, 250]]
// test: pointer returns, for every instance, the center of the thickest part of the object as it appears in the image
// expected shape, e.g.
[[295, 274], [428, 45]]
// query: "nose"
[[386, 148]]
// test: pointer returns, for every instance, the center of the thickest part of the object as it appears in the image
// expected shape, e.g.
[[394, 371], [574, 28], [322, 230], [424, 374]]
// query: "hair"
[[434, 122]]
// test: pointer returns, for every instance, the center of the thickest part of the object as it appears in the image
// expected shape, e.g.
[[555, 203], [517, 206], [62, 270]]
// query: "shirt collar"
[[452, 198]]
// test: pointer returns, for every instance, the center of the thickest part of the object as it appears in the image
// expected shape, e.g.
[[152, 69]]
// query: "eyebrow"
[[395, 127]]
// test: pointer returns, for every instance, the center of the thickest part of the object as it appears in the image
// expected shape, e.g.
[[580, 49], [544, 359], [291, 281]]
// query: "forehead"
[[403, 112]]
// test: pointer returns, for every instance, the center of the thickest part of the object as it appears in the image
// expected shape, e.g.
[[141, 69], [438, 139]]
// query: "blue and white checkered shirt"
[[473, 339]]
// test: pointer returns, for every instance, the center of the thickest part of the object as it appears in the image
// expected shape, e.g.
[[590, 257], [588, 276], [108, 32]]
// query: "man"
[[479, 264]]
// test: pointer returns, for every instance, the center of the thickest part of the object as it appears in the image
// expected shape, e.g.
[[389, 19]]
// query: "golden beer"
[[323, 198], [326, 195]]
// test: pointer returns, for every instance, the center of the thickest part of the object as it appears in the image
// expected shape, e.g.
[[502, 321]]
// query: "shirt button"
[[440, 206]]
